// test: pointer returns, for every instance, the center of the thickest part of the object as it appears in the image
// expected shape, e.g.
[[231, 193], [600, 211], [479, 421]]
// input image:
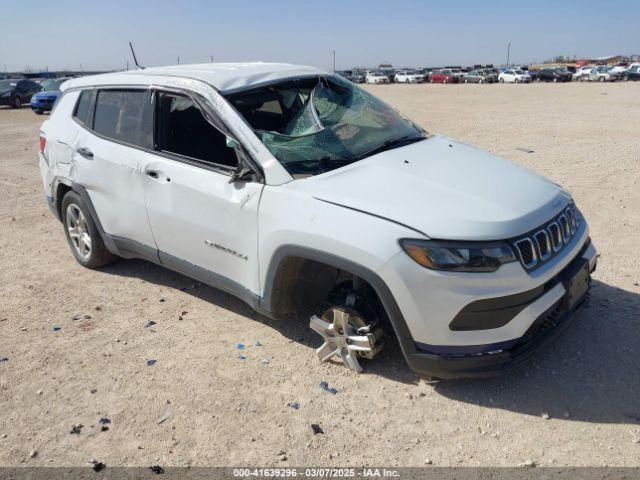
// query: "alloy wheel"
[[78, 231]]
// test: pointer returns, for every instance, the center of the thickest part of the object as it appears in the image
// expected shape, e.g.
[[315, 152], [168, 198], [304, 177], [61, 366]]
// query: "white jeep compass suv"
[[295, 190]]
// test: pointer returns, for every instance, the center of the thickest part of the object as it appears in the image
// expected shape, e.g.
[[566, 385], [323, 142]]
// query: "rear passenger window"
[[82, 107], [182, 129], [124, 116]]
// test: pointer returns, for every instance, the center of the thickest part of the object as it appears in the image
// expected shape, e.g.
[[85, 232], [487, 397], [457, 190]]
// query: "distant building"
[[611, 61]]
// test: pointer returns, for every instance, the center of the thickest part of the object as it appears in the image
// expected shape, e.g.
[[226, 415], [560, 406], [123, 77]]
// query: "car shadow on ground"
[[591, 373], [389, 363]]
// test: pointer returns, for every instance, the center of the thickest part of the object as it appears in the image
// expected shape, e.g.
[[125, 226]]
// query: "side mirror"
[[241, 174], [232, 142]]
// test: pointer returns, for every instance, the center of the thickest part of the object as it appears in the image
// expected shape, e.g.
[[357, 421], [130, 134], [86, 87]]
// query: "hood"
[[443, 189]]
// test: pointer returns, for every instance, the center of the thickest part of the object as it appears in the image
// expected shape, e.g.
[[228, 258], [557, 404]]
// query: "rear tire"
[[38, 112], [16, 102], [501, 80], [82, 235], [601, 79]]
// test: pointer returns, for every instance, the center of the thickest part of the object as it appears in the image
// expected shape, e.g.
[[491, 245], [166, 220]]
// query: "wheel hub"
[[346, 336]]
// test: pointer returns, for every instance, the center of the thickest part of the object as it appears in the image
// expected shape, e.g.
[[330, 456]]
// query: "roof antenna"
[[135, 60]]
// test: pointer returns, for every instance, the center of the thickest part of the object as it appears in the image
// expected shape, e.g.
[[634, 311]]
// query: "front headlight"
[[458, 256]]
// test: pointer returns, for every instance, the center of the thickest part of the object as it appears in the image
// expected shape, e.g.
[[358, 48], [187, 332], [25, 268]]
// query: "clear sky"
[[94, 34]]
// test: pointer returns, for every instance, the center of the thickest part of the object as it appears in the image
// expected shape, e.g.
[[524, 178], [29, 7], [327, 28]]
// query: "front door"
[[204, 225]]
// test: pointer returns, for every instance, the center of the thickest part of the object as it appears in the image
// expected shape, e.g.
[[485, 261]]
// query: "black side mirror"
[[242, 174]]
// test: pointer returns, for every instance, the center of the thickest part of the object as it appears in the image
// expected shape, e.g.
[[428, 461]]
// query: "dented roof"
[[223, 76]]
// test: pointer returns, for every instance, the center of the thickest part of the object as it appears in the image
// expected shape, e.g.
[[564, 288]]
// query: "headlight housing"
[[458, 256]]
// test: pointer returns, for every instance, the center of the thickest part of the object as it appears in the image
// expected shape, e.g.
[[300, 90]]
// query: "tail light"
[[43, 143]]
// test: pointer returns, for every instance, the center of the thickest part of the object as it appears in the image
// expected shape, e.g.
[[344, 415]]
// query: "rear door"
[[114, 141], [205, 225]]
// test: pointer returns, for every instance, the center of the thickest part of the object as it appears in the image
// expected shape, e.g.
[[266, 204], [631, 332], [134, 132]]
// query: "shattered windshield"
[[315, 124]]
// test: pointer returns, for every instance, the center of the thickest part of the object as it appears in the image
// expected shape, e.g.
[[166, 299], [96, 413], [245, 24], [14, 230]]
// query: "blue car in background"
[[43, 101]]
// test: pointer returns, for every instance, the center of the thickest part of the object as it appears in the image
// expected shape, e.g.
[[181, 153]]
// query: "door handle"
[[85, 152], [152, 173]]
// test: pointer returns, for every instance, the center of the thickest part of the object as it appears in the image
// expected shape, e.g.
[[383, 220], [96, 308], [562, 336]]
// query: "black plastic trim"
[[496, 312]]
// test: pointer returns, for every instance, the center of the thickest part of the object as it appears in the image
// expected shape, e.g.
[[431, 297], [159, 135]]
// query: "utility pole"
[[127, 66], [178, 59], [334, 61], [211, 56], [508, 52]]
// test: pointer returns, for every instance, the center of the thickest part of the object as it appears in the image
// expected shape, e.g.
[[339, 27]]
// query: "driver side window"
[[182, 129]]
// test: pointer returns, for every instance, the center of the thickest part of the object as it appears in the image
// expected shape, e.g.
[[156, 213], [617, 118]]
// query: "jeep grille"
[[544, 243]]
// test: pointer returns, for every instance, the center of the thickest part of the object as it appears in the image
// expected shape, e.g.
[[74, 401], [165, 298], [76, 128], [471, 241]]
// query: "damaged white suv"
[[296, 191]]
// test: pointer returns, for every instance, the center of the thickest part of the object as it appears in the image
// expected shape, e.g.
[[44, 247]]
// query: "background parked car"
[[440, 76], [478, 76], [599, 74], [632, 73], [357, 77], [620, 68], [582, 71], [377, 77], [490, 72], [454, 72], [549, 75], [514, 76], [43, 101], [16, 92], [409, 76]]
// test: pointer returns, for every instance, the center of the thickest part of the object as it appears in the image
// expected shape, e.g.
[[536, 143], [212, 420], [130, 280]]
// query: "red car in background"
[[440, 76]]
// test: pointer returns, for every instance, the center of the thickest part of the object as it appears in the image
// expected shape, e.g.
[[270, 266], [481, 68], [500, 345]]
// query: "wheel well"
[[61, 191], [300, 284]]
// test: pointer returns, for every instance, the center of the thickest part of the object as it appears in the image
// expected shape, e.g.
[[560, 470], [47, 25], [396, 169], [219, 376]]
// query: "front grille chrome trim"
[[542, 244], [548, 249], [564, 228], [556, 238], [534, 259]]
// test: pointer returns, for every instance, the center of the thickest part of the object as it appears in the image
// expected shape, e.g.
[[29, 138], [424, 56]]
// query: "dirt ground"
[[223, 410]]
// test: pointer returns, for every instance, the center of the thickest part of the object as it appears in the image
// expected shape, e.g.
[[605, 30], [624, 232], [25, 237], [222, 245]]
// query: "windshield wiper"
[[391, 144]]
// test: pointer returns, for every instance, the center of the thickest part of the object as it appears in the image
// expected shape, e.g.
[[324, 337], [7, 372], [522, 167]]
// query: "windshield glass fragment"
[[315, 124]]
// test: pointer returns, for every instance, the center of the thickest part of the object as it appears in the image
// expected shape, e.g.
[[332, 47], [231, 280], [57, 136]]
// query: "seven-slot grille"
[[545, 242]]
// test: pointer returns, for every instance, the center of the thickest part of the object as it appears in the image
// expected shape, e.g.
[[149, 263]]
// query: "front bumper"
[[493, 359]]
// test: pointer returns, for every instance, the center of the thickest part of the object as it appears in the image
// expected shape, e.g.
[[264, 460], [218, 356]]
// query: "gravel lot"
[[578, 404]]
